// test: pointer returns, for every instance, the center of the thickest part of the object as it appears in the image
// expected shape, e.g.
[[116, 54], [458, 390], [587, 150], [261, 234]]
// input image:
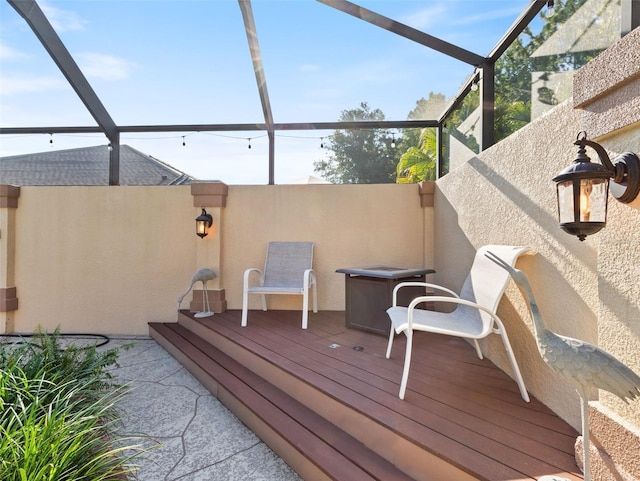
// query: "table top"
[[385, 272]]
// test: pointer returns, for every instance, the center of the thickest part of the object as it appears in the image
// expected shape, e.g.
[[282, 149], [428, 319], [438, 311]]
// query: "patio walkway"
[[194, 436]]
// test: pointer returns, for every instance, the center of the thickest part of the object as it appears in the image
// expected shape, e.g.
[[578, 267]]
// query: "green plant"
[[57, 413], [44, 353]]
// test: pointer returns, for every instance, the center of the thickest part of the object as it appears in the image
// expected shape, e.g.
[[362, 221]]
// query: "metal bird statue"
[[202, 275], [583, 365]]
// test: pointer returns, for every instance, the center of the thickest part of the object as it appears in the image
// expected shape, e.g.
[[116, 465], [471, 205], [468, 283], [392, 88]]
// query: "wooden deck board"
[[343, 457], [462, 408], [440, 372]]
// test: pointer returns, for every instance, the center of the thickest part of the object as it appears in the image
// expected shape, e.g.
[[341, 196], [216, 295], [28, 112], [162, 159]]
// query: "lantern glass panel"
[[593, 200], [565, 202]]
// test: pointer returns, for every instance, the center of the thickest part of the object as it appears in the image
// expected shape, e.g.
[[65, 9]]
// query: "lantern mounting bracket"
[[624, 169]]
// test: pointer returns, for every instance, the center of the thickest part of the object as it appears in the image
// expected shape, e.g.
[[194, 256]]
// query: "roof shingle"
[[88, 166]]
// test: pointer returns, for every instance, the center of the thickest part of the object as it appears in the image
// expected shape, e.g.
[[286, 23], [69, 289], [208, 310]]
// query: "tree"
[[430, 108], [513, 70], [359, 156], [418, 162]]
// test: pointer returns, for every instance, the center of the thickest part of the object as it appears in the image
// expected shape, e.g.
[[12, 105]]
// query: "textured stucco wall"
[[589, 290], [607, 96], [351, 225], [110, 259], [506, 196], [102, 259]]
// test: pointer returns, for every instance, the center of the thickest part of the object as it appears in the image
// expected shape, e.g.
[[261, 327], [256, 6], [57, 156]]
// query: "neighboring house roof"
[[88, 166]]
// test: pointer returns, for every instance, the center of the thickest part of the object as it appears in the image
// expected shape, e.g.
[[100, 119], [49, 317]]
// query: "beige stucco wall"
[[589, 290], [111, 259], [607, 94], [101, 259], [351, 225], [506, 196]]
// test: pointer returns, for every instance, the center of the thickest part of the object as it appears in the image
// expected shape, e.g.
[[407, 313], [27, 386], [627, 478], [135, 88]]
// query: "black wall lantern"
[[583, 187], [203, 222]]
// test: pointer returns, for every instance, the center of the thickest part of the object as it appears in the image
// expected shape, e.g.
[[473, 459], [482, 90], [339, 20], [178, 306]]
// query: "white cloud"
[[104, 67], [436, 13], [308, 68], [63, 20], [8, 53], [29, 84], [488, 16], [425, 18]]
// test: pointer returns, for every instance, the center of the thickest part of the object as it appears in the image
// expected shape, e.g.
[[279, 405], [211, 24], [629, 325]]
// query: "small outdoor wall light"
[[583, 187], [203, 222]]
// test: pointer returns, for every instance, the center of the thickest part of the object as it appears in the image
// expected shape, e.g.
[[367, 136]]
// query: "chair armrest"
[[419, 284], [486, 326], [309, 278], [247, 275]]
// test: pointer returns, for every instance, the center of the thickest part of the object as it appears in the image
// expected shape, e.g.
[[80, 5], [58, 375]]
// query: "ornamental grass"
[[58, 413]]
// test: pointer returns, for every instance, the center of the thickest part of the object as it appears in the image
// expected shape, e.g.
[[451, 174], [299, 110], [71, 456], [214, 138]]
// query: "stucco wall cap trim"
[[209, 194], [426, 190], [8, 299], [616, 66], [9, 195]]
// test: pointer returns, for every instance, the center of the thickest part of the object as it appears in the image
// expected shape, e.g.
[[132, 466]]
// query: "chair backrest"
[[487, 281], [286, 263]]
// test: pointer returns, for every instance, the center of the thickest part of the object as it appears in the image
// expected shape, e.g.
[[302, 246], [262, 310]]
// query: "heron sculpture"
[[201, 275], [583, 365]]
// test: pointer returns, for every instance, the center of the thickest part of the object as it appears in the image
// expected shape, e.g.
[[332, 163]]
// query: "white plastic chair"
[[287, 270], [474, 316]]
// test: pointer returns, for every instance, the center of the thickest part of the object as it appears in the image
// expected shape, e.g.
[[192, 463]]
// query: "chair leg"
[[476, 344], [305, 309], [264, 301], [407, 364], [514, 366], [315, 297], [392, 334], [245, 307]]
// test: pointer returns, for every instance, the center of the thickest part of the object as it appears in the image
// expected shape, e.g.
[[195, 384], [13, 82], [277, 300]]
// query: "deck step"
[[325, 400], [313, 446]]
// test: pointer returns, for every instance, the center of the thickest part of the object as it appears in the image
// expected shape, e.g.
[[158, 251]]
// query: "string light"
[[323, 144], [393, 141], [474, 82], [178, 136], [550, 8]]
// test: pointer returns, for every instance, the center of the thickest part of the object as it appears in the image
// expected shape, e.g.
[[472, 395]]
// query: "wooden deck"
[[333, 412]]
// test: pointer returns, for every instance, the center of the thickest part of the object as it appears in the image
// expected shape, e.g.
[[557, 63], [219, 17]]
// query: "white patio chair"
[[287, 270], [474, 316]]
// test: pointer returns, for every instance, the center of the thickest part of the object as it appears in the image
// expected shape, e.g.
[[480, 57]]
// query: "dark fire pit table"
[[369, 293]]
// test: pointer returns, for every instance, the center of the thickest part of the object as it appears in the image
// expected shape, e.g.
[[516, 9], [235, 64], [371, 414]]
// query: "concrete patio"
[[191, 436]]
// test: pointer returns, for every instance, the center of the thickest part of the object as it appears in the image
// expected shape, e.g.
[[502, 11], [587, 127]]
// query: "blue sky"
[[183, 62]]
